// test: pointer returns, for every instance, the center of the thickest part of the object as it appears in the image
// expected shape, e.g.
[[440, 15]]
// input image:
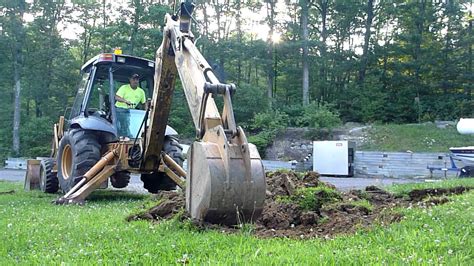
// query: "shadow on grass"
[[114, 195]]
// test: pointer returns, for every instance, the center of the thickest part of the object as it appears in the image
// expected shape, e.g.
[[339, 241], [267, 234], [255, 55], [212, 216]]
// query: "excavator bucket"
[[225, 184]]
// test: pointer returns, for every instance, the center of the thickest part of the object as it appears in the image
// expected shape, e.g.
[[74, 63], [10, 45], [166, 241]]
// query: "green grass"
[[312, 198], [403, 189], [416, 138], [33, 231], [363, 203]]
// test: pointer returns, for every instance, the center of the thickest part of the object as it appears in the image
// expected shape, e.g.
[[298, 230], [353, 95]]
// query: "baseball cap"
[[135, 76]]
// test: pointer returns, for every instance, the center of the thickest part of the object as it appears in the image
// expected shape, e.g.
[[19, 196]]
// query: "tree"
[[14, 11], [304, 28], [367, 34], [271, 20]]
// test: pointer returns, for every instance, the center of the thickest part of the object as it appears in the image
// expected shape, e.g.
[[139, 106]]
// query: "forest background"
[[301, 63]]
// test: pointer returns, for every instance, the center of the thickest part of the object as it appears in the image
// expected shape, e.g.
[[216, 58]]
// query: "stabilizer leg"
[[91, 180]]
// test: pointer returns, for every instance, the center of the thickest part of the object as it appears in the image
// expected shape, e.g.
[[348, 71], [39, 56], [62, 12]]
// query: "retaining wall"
[[402, 164], [385, 164]]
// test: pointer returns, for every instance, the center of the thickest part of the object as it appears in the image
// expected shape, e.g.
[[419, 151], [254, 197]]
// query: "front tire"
[[79, 150], [160, 181]]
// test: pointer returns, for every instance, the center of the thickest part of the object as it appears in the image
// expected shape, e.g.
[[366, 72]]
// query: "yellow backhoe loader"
[[225, 179]]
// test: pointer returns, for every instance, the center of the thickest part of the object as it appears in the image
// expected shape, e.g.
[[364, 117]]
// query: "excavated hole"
[[305, 207]]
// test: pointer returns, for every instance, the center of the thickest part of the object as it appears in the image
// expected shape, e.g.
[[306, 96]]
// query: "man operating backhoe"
[[128, 96]]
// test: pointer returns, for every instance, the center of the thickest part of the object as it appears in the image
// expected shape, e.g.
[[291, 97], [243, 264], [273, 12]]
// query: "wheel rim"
[[66, 162]]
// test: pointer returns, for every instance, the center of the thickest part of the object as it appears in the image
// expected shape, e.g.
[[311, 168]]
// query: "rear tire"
[[120, 179], [160, 181], [78, 151], [48, 179]]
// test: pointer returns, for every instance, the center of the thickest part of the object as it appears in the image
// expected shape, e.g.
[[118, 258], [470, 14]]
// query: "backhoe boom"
[[225, 178]]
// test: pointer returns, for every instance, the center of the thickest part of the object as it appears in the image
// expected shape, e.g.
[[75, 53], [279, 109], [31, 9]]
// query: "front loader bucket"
[[32, 176], [225, 187]]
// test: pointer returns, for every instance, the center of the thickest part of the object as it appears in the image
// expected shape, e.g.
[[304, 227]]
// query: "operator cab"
[[94, 106]]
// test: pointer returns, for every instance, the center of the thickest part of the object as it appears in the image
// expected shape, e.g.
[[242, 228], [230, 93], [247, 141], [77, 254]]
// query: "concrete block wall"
[[402, 164]]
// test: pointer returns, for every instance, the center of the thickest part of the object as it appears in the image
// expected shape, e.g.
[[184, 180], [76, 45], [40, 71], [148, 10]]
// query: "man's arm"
[[120, 99], [143, 102], [119, 96]]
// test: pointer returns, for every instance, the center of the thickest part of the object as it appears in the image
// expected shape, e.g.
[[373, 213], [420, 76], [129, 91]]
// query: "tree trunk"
[[271, 49], [87, 42], [136, 21], [445, 76], [365, 53], [239, 41], [17, 55], [205, 19], [17, 107], [104, 40], [304, 27], [468, 88], [419, 24], [323, 6]]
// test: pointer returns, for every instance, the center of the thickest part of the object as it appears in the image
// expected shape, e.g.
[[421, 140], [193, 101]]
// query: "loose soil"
[[283, 218]]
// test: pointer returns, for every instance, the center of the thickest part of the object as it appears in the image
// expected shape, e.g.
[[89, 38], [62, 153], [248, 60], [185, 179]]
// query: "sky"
[[255, 23]]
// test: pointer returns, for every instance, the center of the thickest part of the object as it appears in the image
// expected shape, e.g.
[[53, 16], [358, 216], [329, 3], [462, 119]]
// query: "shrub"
[[273, 120], [266, 125], [36, 135], [247, 101], [261, 140], [318, 115]]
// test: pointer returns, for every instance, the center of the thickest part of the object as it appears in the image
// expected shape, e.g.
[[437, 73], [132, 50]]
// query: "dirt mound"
[[170, 204], [419, 194], [285, 183], [303, 206]]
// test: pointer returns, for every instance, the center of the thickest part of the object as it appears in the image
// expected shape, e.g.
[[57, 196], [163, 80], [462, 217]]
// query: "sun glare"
[[276, 37]]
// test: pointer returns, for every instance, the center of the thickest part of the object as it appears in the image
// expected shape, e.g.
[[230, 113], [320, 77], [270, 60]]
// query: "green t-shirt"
[[135, 96]]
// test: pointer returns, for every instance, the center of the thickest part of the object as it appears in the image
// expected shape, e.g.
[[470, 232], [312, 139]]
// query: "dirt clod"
[[332, 212]]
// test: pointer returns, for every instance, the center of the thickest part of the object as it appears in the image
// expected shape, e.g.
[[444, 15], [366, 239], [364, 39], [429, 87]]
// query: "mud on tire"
[[78, 151], [160, 181], [48, 179]]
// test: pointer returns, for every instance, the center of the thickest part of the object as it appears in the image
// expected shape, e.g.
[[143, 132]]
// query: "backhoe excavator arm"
[[225, 178], [178, 54]]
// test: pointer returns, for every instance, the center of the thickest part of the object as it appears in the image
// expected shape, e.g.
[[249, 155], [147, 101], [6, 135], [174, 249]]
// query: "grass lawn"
[[414, 137], [33, 231]]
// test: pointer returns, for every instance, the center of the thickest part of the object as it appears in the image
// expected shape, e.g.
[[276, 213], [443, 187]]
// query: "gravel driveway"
[[344, 184]]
